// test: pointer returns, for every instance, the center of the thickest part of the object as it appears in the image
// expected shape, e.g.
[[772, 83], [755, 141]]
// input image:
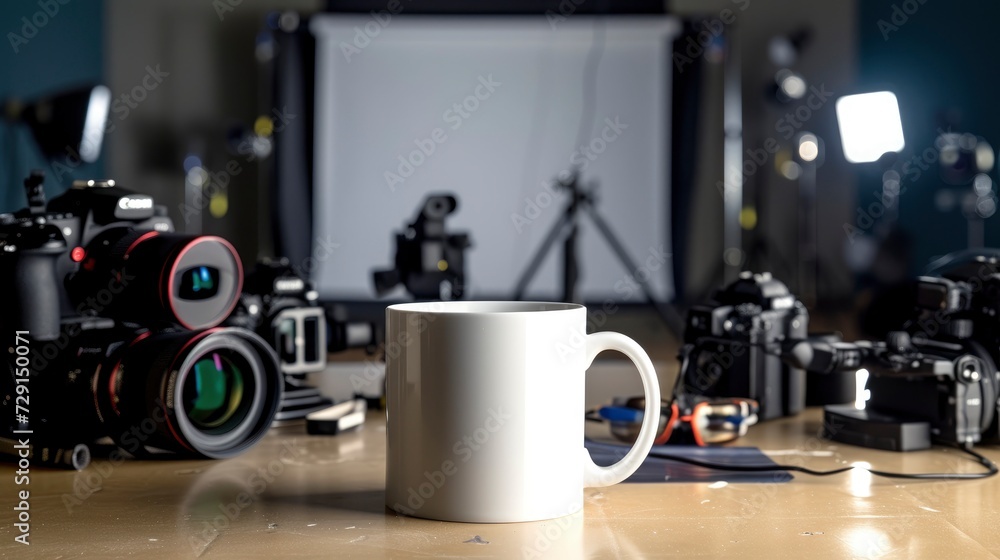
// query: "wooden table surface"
[[299, 496]]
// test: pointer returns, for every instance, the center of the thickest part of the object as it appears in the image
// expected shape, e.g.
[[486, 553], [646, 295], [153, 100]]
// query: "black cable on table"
[[985, 462]]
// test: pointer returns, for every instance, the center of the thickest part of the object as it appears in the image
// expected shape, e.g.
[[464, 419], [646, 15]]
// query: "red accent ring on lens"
[[173, 272], [113, 378], [138, 240]]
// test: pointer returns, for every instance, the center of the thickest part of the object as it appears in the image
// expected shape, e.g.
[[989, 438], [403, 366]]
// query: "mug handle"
[[594, 475]]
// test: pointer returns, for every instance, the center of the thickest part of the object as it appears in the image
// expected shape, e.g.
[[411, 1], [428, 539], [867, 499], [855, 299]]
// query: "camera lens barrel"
[[150, 277], [212, 393]]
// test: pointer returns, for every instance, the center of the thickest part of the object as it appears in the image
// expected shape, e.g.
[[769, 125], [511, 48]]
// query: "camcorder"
[[114, 329], [429, 262], [933, 380]]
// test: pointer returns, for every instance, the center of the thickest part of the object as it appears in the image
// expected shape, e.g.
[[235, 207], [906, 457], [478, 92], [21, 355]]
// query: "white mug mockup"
[[485, 410]]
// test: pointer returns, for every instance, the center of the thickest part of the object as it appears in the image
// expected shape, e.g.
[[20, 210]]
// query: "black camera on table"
[[934, 379], [956, 316], [727, 341], [920, 391], [119, 315], [430, 262], [937, 378], [283, 309]]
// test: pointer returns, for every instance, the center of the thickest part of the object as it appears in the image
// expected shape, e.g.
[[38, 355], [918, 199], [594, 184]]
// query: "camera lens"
[[211, 393], [149, 277], [199, 283], [214, 391]]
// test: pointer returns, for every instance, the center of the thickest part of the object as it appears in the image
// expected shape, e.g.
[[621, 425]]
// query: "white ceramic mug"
[[485, 410]]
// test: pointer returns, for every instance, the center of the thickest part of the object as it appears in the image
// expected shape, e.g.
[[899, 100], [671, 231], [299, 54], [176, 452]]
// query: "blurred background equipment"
[[733, 348], [933, 379], [282, 308], [68, 124], [584, 199], [965, 164], [920, 392], [725, 352], [493, 107], [870, 126], [871, 132], [429, 261]]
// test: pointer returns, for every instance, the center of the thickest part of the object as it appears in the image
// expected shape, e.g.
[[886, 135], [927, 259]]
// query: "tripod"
[[568, 226]]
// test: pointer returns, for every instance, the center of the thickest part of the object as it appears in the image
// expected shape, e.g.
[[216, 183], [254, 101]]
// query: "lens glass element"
[[199, 282], [214, 392]]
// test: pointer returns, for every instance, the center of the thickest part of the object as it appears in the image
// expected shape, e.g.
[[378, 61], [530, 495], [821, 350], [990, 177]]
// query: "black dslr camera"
[[430, 262], [114, 328], [283, 309], [726, 345]]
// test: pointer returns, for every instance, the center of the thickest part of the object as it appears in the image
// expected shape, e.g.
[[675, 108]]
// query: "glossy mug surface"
[[485, 410]]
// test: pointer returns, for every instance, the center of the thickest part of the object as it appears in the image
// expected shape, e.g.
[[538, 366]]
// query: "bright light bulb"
[[808, 147], [870, 125]]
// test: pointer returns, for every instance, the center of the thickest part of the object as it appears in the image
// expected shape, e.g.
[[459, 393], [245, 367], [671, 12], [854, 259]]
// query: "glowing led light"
[[791, 84], [808, 147], [870, 125], [93, 126], [862, 394]]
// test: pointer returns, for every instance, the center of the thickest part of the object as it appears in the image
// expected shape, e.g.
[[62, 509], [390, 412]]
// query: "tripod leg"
[[667, 314], [539, 257], [571, 271]]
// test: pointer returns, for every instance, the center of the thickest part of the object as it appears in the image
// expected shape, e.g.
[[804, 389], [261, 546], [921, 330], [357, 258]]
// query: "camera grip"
[[36, 292]]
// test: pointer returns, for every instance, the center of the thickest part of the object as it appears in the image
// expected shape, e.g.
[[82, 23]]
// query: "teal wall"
[[940, 58], [66, 51]]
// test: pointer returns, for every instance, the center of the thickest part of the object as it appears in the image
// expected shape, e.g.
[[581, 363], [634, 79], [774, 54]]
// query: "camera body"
[[920, 390], [727, 345], [953, 390], [118, 319], [283, 309], [429, 262], [935, 379], [101, 250], [957, 311], [40, 245]]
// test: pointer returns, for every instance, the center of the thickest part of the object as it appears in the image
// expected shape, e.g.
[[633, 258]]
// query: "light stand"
[[808, 153]]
